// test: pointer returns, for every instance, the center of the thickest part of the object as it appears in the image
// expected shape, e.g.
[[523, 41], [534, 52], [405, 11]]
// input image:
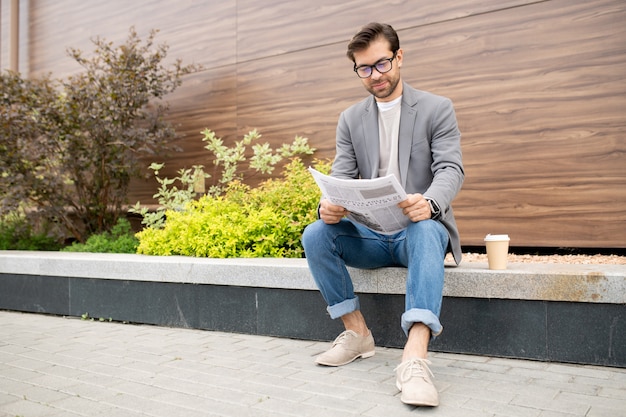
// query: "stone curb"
[[521, 281]]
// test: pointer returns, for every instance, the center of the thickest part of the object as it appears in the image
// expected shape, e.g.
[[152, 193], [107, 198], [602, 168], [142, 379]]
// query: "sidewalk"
[[66, 367]]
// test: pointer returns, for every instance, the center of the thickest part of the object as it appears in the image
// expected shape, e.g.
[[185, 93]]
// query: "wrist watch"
[[435, 211]]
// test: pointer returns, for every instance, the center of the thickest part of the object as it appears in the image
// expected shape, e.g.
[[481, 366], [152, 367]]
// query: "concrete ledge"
[[522, 281], [561, 313]]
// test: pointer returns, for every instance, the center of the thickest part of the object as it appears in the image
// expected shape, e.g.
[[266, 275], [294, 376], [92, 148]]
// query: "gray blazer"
[[429, 150]]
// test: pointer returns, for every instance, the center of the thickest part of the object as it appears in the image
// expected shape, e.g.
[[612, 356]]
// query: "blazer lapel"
[[370, 133], [408, 117]]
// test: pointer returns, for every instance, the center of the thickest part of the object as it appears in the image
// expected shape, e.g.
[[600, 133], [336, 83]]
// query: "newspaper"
[[373, 203]]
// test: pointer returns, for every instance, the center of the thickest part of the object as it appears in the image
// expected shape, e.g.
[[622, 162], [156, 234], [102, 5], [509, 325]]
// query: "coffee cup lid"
[[491, 237]]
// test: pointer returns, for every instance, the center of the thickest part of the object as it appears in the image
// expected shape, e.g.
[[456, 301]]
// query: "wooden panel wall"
[[539, 89]]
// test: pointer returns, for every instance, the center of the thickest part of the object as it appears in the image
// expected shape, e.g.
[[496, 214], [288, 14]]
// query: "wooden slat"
[[285, 26], [200, 32]]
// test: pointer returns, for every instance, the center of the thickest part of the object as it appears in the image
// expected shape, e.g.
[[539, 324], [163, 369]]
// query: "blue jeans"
[[421, 248]]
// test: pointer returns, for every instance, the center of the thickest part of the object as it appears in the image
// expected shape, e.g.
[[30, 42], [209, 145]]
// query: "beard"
[[390, 87]]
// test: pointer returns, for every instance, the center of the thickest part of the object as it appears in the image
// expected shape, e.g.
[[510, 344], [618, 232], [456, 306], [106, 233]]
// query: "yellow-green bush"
[[266, 221]]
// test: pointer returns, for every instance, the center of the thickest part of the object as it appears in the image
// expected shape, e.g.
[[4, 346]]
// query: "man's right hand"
[[330, 213]]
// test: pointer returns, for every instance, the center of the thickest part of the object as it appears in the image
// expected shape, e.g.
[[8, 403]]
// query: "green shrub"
[[18, 233], [266, 221], [175, 193], [120, 239]]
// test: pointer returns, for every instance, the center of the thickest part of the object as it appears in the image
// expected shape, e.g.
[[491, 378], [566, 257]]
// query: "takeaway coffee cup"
[[497, 250]]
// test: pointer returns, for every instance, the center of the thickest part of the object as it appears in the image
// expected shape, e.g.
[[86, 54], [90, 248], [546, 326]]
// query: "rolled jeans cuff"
[[343, 308], [418, 315]]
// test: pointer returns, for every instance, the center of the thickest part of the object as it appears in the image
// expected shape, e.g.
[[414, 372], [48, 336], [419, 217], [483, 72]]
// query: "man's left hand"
[[416, 207]]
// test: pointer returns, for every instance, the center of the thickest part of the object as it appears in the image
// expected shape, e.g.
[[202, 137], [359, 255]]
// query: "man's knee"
[[425, 227], [311, 234], [427, 232], [306, 236]]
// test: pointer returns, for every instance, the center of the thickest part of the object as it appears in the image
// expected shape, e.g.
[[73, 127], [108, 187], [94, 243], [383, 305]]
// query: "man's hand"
[[330, 213], [416, 208]]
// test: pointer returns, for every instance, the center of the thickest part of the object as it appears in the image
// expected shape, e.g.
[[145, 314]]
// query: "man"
[[413, 135]]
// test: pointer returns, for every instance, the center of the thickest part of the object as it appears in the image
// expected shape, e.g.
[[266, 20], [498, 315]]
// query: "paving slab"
[[52, 366]]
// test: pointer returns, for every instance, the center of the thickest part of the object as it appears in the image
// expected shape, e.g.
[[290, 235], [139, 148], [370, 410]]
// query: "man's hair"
[[368, 34]]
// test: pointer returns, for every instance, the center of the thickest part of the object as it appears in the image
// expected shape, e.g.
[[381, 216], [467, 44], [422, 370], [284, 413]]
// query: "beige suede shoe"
[[413, 378], [347, 347]]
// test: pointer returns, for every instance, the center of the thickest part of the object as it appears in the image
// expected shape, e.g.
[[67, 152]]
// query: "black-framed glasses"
[[382, 66]]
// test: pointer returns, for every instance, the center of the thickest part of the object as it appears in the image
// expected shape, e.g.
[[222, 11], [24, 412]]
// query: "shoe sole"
[[415, 403], [420, 404], [362, 356]]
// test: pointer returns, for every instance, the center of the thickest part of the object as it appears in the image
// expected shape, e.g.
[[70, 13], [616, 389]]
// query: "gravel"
[[557, 259]]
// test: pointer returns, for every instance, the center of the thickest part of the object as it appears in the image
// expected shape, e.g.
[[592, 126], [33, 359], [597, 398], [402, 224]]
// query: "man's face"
[[387, 86]]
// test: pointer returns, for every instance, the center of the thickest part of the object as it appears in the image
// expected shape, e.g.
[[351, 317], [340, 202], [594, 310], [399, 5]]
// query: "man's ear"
[[399, 57]]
